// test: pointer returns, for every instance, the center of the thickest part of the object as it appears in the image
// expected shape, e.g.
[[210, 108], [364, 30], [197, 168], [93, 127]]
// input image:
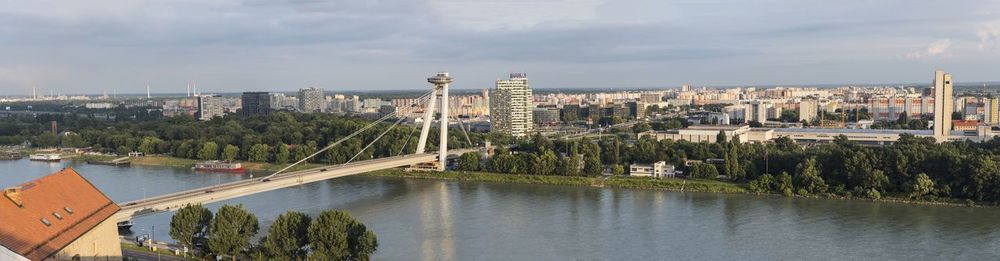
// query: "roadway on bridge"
[[173, 201]]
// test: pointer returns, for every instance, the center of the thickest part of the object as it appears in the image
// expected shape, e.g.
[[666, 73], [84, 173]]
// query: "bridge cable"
[[375, 140], [461, 125], [369, 126], [406, 141]]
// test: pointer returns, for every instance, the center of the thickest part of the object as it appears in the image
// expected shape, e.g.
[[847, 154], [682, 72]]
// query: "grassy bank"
[[645, 183], [165, 252], [615, 182]]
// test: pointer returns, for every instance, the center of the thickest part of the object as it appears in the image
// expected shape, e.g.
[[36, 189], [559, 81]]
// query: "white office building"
[[511, 106]]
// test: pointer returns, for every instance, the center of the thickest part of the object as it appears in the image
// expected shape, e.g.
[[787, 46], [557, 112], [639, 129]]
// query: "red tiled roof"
[[21, 228]]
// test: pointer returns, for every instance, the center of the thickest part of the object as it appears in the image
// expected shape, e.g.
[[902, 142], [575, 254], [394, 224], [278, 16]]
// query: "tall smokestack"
[[189, 90], [147, 92]]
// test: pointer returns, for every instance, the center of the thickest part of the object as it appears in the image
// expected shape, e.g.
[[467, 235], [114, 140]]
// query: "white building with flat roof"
[[659, 169], [702, 133]]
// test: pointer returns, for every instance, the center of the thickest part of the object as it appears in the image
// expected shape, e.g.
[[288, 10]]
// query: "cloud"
[[939, 48], [281, 44], [989, 37]]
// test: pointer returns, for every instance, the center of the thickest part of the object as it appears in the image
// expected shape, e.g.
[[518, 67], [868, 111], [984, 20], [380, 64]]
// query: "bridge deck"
[[173, 201]]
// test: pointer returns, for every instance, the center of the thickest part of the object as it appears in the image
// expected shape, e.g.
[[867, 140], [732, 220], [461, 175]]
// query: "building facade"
[[311, 100], [545, 116], [943, 106], [210, 106], [511, 106], [659, 169], [808, 110], [256, 103]]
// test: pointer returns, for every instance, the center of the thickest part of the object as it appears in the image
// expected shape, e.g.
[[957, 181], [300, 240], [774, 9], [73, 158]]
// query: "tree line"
[[913, 167], [332, 235], [277, 138]]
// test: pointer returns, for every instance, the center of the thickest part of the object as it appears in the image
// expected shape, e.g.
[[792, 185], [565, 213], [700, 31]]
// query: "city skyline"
[[234, 46]]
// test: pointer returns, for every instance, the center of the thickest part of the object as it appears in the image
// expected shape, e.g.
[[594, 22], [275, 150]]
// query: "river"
[[448, 220]]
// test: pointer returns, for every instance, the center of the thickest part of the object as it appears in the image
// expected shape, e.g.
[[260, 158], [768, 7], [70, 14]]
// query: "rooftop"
[[40, 217], [858, 131]]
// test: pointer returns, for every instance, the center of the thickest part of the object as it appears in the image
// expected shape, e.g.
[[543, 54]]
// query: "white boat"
[[45, 157]]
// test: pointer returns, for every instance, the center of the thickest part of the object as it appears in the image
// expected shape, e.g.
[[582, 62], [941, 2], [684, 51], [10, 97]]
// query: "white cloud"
[[989, 37], [939, 48], [513, 15]]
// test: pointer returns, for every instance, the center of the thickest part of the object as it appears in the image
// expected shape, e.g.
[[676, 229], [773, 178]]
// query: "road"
[[173, 201]]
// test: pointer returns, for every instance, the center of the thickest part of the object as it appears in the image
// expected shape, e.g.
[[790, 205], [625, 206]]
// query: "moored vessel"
[[45, 157], [219, 166], [10, 155]]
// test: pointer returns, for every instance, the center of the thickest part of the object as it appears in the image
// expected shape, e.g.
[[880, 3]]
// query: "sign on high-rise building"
[[311, 100], [511, 106]]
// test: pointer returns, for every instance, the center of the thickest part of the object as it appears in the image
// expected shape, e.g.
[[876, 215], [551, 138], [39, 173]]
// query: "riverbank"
[[612, 182], [673, 184], [167, 161], [625, 182]]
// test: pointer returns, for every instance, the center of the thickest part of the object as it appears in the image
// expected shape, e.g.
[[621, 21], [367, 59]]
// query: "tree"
[[258, 153], [190, 224], [148, 145], [785, 184], [570, 165], [592, 166], [641, 127], [721, 137], [230, 152], [469, 161], [288, 237], [184, 150], [281, 156], [617, 170], [544, 162], [921, 186], [209, 151], [704, 171], [763, 184], [731, 162], [335, 235], [231, 230], [983, 174], [808, 177]]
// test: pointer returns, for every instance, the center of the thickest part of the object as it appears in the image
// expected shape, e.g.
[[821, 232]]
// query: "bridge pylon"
[[440, 91]]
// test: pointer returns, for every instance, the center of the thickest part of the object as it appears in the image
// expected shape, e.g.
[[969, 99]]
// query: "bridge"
[[174, 201], [281, 179]]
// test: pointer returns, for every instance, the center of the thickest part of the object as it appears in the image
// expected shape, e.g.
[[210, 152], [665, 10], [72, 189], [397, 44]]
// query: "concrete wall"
[[100, 243]]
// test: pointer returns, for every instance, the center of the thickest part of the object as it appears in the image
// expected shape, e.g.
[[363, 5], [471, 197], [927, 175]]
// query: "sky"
[[121, 46]]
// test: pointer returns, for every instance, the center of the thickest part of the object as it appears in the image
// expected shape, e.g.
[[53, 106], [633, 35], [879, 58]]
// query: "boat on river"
[[219, 166], [10, 155], [46, 157]]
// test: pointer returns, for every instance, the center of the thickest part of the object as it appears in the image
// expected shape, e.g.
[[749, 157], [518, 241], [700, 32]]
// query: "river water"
[[449, 220]]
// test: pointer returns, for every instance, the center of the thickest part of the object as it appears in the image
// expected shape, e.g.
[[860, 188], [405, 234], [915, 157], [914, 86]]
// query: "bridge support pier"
[[440, 81]]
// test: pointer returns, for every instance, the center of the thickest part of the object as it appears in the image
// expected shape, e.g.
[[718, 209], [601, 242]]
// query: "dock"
[[119, 162]]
